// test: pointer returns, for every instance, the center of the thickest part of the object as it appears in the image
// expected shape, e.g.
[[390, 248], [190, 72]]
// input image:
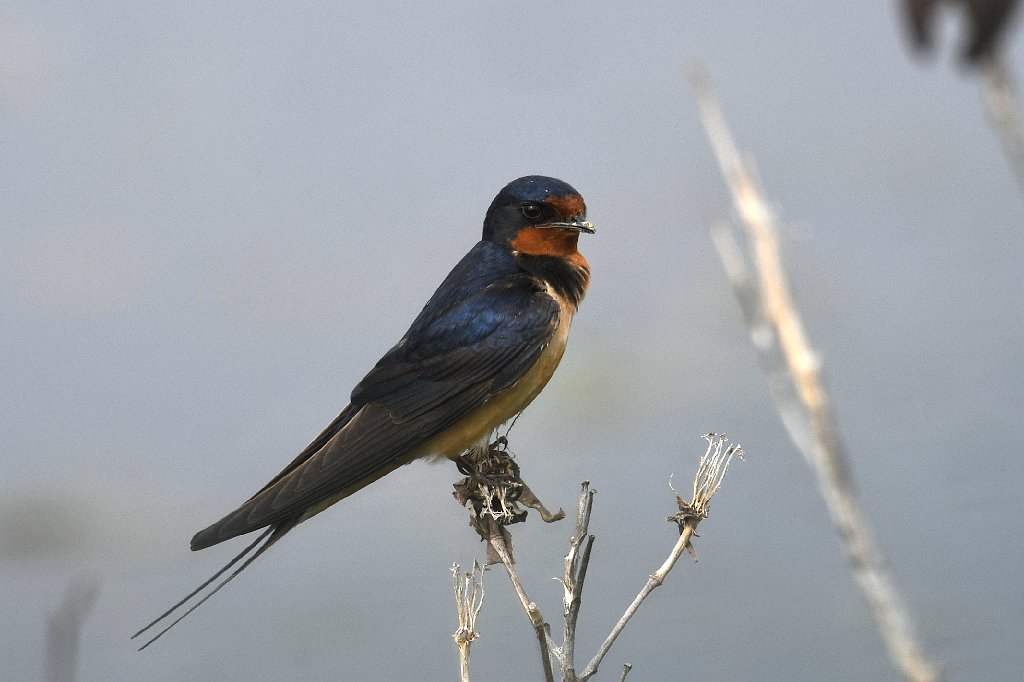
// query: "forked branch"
[[710, 474], [491, 505]]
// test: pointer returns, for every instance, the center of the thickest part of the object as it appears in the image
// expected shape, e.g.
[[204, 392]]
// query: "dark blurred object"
[[64, 630], [988, 20], [43, 524]]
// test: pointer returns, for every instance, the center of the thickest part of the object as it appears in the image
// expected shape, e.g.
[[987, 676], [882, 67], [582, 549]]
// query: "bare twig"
[[576, 564], [806, 409], [1002, 104], [469, 597], [548, 647], [625, 671], [485, 491], [713, 466], [493, 491]]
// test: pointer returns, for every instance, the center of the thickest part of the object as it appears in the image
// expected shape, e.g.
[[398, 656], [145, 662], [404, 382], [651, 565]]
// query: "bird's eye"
[[531, 211]]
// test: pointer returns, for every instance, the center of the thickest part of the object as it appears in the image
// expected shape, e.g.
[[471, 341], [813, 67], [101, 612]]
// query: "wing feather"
[[449, 364]]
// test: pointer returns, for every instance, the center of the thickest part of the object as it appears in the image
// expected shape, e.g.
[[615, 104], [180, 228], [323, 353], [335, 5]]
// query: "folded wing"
[[451, 362]]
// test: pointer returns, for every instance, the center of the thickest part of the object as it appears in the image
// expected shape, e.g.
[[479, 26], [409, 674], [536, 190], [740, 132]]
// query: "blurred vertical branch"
[[1002, 104], [64, 631], [794, 377]]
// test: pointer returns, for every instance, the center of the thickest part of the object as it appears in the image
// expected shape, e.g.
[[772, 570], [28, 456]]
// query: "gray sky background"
[[215, 218]]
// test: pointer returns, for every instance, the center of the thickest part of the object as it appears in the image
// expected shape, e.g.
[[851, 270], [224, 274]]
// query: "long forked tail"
[[267, 538]]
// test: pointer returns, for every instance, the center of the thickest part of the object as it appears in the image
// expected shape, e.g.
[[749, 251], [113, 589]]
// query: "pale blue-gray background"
[[215, 217]]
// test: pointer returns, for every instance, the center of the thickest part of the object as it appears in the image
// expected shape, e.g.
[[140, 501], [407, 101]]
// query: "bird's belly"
[[475, 428]]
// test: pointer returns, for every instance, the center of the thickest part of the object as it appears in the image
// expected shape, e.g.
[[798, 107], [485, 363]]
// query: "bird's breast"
[[475, 428]]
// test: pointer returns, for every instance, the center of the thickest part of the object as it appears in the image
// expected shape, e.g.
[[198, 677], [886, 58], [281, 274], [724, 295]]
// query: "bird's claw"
[[493, 490]]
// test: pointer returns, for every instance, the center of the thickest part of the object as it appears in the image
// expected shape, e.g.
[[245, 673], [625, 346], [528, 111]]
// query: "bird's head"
[[537, 216]]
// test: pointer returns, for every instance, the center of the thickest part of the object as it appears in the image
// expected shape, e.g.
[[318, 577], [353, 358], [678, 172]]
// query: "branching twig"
[[576, 564], [469, 597], [485, 491], [713, 466], [806, 410], [493, 491]]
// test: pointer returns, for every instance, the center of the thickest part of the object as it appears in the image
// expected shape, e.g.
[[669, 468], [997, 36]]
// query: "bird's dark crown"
[[531, 200]]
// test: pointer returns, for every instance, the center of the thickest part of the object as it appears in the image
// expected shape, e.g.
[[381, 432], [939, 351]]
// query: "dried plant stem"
[[711, 471], [625, 671], [547, 647], [806, 410], [653, 581], [710, 474], [469, 598], [464, 662], [576, 564], [1002, 104]]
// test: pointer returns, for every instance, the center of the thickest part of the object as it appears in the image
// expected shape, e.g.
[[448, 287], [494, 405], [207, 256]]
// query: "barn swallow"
[[479, 352]]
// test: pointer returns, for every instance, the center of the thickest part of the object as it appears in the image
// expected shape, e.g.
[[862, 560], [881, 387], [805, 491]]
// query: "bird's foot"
[[493, 491]]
